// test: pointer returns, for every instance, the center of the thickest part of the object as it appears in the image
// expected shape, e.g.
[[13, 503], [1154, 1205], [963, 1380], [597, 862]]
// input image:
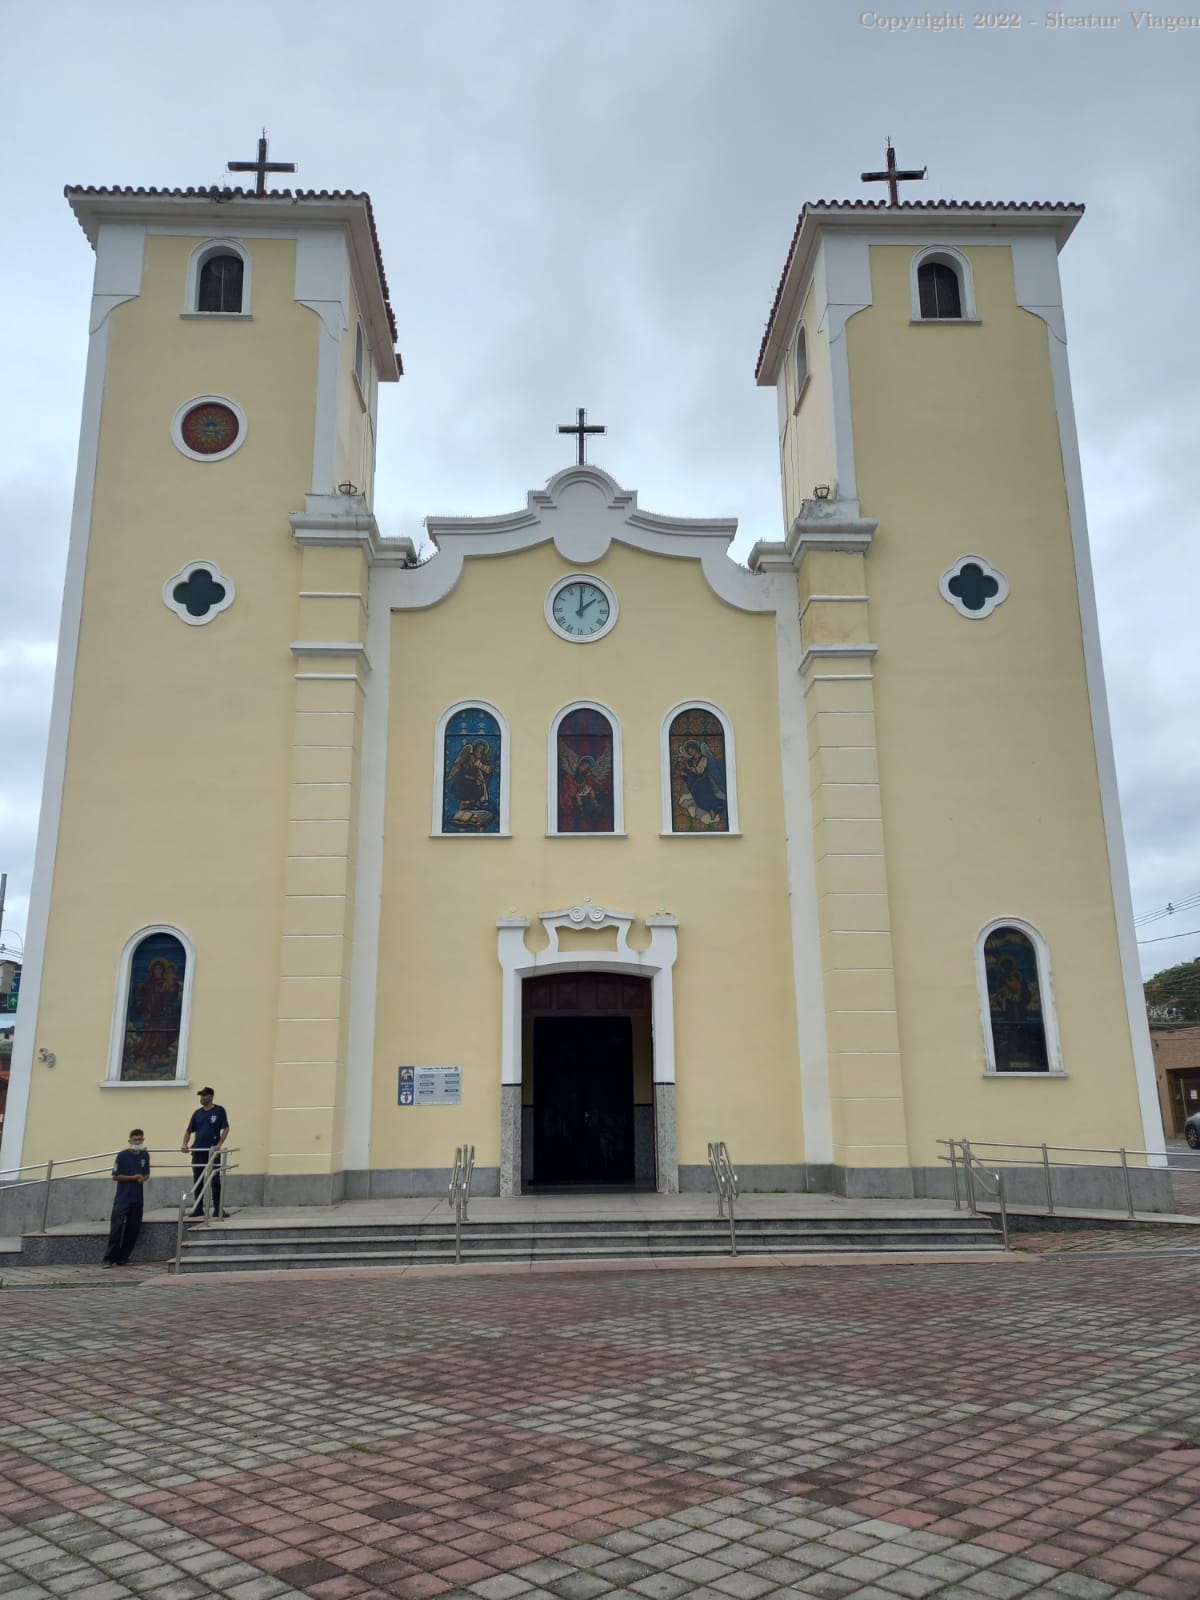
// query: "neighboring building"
[[820, 856], [10, 983], [1177, 1070]]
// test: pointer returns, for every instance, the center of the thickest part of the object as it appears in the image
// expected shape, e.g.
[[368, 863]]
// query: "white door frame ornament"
[[657, 963]]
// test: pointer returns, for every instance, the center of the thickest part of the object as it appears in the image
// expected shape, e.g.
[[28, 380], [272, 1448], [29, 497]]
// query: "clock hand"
[[579, 610]]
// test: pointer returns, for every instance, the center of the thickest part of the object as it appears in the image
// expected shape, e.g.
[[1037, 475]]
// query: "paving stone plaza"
[[1027, 1426]]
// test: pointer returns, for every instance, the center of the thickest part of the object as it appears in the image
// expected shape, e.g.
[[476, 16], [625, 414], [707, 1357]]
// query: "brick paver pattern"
[[982, 1432]]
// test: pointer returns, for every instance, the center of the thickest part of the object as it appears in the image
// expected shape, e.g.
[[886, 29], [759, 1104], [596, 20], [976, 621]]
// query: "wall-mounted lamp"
[[821, 490], [48, 1057]]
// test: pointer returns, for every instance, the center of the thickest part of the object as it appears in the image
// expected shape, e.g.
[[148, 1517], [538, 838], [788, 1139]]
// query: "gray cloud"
[[591, 205]]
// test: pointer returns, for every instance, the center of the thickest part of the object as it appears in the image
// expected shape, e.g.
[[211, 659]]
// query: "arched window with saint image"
[[1017, 1001]]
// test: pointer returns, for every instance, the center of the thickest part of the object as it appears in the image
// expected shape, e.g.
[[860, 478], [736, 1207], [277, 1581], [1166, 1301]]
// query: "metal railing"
[[201, 1196], [459, 1194], [726, 1179], [963, 1155], [53, 1171], [975, 1177]]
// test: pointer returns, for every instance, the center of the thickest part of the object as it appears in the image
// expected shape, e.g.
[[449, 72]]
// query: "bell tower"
[[211, 667], [960, 764]]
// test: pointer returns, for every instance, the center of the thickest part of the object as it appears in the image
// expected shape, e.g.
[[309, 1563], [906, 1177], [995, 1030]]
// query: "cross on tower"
[[261, 167], [581, 428], [891, 177]]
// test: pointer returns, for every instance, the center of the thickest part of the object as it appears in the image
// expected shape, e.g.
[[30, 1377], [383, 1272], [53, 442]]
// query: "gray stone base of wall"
[[1101, 1188], [90, 1199], [754, 1179], [156, 1242], [310, 1189], [398, 1183]]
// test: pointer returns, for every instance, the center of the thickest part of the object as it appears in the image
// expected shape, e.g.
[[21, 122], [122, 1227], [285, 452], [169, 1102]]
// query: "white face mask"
[[136, 1144]]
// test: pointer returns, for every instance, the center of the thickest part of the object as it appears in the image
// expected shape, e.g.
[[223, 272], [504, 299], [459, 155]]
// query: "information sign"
[[430, 1086]]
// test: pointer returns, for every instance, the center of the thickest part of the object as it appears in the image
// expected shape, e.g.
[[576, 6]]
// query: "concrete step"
[[265, 1249], [547, 1243], [633, 1228]]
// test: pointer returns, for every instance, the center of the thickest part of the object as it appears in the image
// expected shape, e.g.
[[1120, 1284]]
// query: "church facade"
[[578, 841]]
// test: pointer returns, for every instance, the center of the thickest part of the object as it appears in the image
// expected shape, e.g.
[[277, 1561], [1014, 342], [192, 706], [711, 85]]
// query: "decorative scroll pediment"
[[582, 510], [588, 918]]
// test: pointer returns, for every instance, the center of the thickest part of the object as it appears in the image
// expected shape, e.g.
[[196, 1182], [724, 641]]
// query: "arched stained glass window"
[[586, 781], [220, 284], [1016, 1003], [153, 1010], [698, 765], [472, 753]]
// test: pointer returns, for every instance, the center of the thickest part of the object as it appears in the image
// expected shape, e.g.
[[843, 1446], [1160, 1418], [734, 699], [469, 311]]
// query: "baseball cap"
[[206, 1091]]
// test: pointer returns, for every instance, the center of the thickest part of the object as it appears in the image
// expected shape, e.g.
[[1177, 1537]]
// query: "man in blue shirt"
[[208, 1131], [130, 1170]]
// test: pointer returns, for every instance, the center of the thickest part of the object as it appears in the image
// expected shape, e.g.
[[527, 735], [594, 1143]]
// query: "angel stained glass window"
[[472, 751], [586, 787], [696, 752]]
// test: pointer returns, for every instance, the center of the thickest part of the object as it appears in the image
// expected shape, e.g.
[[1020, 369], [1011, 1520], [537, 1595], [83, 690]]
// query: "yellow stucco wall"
[[355, 423], [166, 785], [807, 449], [984, 730], [440, 981]]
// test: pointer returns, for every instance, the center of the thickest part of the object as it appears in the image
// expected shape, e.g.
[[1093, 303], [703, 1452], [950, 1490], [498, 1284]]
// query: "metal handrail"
[[459, 1192], [49, 1173], [974, 1173], [1156, 1161], [214, 1170], [56, 1161], [728, 1188]]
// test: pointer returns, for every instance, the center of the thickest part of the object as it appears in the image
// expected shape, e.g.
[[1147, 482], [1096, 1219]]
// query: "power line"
[[1168, 910], [1163, 938]]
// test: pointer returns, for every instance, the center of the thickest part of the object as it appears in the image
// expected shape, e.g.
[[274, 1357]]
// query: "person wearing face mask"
[[130, 1171]]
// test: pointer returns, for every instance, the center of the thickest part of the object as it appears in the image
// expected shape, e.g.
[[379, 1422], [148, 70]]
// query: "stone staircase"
[[250, 1247]]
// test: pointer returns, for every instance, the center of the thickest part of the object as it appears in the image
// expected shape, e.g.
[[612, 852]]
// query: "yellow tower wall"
[[807, 455], [984, 727], [175, 798]]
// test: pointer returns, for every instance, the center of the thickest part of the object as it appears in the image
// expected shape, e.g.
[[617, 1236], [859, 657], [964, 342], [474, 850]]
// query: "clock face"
[[580, 607]]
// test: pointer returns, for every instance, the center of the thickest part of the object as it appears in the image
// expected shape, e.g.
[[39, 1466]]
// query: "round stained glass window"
[[210, 428]]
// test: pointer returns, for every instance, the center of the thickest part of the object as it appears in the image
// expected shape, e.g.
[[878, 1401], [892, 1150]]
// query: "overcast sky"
[[586, 204]]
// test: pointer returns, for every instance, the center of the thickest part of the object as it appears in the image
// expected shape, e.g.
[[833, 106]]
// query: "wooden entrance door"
[[583, 1100]]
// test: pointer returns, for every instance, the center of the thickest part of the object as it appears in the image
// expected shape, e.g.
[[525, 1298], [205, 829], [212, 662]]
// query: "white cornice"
[[343, 519], [836, 652], [821, 525], [329, 648]]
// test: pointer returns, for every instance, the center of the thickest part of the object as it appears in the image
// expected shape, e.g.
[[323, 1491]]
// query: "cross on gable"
[[892, 177], [580, 428], [261, 167]]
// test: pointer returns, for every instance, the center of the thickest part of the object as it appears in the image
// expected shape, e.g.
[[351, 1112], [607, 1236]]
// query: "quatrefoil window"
[[198, 592], [973, 587]]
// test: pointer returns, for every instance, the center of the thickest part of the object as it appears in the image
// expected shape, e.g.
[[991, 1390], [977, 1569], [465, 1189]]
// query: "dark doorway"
[[1186, 1099], [583, 1100]]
